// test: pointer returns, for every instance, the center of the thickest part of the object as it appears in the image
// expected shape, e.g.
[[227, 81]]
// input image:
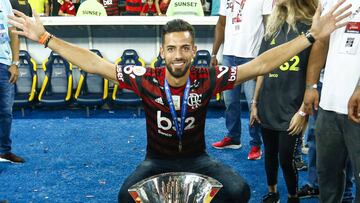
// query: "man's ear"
[[194, 51]]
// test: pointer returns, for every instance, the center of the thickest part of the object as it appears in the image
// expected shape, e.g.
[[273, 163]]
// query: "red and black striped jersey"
[[148, 83], [111, 7]]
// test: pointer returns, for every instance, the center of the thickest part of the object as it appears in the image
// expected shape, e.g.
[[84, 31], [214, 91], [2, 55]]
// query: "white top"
[[244, 27], [5, 49], [342, 70]]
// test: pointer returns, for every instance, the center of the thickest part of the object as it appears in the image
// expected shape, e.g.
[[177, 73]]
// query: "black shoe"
[[300, 165], [293, 200], [271, 197], [12, 158], [307, 191]]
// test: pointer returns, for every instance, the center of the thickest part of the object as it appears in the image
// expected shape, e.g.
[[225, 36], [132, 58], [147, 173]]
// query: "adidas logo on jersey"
[[159, 100]]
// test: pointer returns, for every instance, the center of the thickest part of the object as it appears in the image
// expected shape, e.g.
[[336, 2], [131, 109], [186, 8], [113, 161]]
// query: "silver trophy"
[[175, 187]]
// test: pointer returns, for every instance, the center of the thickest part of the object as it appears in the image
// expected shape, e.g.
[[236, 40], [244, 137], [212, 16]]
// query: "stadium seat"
[[124, 97], [92, 90], [157, 62], [57, 85], [202, 59], [25, 86]]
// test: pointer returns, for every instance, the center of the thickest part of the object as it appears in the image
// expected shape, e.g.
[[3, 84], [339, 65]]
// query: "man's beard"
[[177, 73]]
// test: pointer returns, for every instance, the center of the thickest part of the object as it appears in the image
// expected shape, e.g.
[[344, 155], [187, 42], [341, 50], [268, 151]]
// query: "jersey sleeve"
[[129, 77], [223, 77]]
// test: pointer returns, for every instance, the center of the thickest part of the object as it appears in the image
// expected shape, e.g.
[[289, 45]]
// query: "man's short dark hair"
[[177, 25]]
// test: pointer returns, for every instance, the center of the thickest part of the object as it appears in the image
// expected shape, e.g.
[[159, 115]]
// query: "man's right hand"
[[311, 99], [32, 29]]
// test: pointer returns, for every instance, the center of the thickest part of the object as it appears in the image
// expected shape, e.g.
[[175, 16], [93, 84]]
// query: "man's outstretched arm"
[[83, 58], [321, 28]]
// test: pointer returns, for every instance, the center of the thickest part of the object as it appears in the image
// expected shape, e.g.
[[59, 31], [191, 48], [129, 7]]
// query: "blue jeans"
[[6, 103], [235, 189], [233, 106]]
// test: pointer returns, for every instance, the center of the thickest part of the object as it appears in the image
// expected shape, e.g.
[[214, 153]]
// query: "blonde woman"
[[278, 95]]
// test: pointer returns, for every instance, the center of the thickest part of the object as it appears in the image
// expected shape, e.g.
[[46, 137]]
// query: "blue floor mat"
[[75, 159]]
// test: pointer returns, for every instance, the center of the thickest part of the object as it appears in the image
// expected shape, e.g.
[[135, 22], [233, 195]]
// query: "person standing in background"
[[241, 28], [337, 136], [279, 96], [9, 62]]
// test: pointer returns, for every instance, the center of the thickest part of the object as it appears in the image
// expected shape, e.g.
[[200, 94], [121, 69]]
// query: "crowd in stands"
[[118, 7]]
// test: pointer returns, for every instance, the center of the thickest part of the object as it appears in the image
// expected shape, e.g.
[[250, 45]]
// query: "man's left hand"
[[354, 106], [14, 74]]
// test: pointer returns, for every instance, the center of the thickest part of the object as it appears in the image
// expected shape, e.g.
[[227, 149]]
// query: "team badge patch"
[[139, 70]]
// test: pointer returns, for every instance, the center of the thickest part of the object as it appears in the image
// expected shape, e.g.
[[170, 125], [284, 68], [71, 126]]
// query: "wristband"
[[213, 55], [48, 40], [310, 37], [310, 87], [43, 38], [301, 113], [253, 101]]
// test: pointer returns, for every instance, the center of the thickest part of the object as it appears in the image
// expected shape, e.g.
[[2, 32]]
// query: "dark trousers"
[[337, 138], [235, 189], [279, 145]]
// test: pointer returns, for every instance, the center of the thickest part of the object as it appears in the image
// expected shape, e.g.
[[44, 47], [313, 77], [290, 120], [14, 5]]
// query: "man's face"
[[178, 51]]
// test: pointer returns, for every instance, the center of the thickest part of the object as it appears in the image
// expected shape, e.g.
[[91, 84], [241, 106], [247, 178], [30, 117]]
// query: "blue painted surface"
[[71, 158]]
